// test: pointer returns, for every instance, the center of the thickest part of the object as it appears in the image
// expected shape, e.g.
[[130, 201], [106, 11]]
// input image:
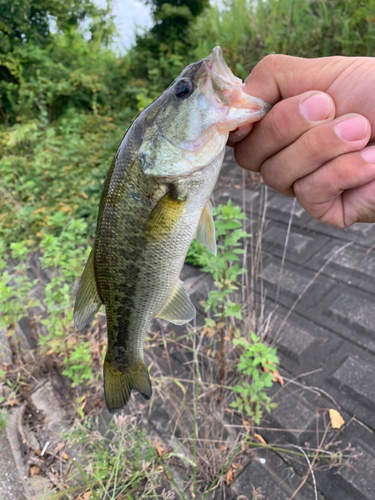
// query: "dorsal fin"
[[179, 308], [206, 229], [88, 301]]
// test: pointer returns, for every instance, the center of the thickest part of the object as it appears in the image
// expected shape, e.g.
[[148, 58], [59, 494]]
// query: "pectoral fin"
[[88, 301], [206, 229], [178, 309]]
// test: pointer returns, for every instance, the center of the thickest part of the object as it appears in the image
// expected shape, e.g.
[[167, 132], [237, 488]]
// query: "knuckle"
[[314, 143], [301, 187], [272, 61], [243, 158], [277, 125], [269, 175]]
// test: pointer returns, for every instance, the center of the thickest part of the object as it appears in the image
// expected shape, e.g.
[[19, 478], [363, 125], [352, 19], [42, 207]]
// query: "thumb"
[[277, 77]]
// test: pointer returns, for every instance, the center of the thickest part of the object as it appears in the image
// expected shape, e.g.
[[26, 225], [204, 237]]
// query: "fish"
[[155, 200]]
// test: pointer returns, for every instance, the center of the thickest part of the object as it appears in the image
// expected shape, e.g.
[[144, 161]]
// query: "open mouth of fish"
[[229, 88]]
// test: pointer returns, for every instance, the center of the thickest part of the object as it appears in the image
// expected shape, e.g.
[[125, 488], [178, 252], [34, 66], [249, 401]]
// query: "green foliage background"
[[67, 97]]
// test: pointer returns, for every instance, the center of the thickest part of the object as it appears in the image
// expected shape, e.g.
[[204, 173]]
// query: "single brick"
[[294, 340], [358, 377], [293, 415]]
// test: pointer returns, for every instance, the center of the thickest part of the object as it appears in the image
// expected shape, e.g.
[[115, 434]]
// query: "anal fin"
[[179, 308], [88, 301], [206, 229]]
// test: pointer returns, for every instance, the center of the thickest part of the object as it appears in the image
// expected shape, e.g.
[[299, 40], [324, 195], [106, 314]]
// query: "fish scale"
[[155, 200]]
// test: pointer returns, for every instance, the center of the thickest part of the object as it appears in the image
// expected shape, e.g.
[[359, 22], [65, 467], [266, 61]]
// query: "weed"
[[251, 397], [120, 463], [78, 367], [225, 270]]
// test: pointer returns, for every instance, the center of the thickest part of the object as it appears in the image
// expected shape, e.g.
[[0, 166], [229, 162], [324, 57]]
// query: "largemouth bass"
[[155, 200]]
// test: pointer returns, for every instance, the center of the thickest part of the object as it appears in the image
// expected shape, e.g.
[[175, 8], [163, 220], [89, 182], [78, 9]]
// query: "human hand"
[[312, 144]]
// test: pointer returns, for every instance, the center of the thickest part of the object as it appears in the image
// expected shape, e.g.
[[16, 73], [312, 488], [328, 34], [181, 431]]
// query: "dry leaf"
[[34, 470], [12, 402], [336, 419], [64, 456], [230, 476], [260, 438], [223, 448], [159, 449], [276, 375], [232, 472], [87, 495], [58, 448]]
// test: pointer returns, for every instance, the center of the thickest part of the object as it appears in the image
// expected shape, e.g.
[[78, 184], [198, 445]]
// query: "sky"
[[129, 14]]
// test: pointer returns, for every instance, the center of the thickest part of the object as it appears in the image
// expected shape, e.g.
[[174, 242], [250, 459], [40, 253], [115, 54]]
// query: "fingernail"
[[368, 154], [352, 129], [317, 107]]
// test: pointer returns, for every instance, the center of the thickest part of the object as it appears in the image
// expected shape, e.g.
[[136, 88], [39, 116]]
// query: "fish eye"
[[183, 89]]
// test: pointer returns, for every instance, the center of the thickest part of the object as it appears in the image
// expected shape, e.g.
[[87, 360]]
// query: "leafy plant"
[[251, 397], [78, 364], [120, 463], [225, 270]]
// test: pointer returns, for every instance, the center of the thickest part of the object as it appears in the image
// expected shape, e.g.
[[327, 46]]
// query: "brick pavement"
[[330, 332]]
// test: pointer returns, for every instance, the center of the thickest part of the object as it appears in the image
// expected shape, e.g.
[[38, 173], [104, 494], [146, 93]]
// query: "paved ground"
[[326, 345], [331, 332]]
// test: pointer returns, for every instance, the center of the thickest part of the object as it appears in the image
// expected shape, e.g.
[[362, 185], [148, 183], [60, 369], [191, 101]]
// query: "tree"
[[29, 32], [172, 18]]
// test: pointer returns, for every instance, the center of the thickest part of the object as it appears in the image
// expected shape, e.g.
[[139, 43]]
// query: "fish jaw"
[[228, 97]]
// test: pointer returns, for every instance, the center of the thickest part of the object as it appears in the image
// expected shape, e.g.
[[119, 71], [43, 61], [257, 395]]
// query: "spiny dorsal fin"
[[88, 301], [119, 384], [178, 309], [206, 229]]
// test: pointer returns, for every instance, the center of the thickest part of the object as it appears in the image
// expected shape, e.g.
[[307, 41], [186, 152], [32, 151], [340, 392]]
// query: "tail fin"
[[119, 384]]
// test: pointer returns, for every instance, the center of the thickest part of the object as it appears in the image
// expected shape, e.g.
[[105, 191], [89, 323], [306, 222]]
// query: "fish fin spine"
[[87, 302], [118, 384]]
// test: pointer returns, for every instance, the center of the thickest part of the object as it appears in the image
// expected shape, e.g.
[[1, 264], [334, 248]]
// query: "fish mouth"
[[217, 67], [229, 88]]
